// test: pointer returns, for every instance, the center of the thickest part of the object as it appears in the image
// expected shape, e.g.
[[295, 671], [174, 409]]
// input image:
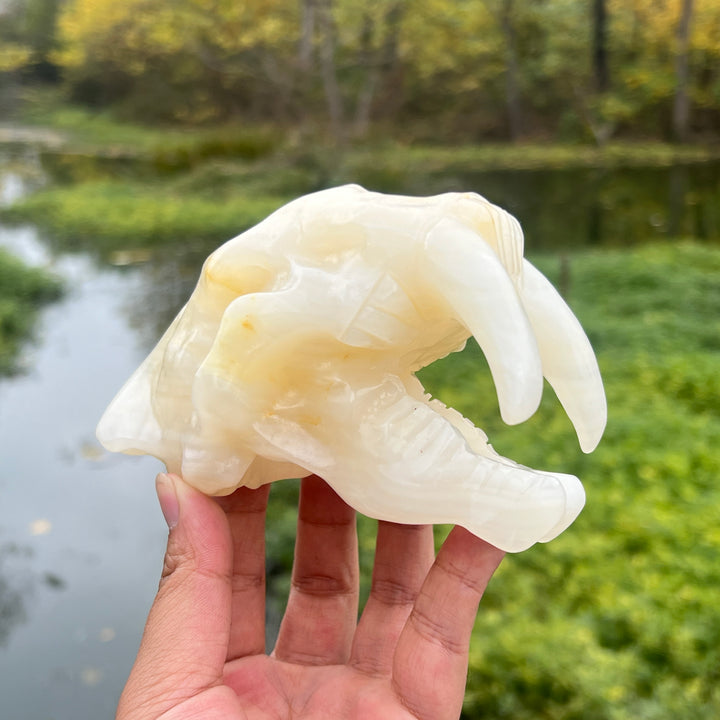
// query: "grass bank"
[[109, 215], [120, 186], [123, 208], [23, 291], [181, 148]]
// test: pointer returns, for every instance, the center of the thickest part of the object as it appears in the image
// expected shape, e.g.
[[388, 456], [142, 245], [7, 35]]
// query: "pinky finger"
[[430, 665]]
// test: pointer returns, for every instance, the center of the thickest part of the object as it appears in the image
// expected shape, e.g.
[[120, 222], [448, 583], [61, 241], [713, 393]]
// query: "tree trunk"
[[512, 91], [591, 108], [376, 64], [328, 69], [307, 34], [600, 53], [369, 64], [681, 104]]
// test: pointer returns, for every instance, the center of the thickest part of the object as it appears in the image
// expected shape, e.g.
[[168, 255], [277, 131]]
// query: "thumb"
[[185, 642]]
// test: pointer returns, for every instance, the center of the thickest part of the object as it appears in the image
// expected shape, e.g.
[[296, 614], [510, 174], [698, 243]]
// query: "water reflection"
[[18, 584], [12, 188], [562, 209], [165, 282], [21, 172], [12, 605], [81, 534], [73, 605]]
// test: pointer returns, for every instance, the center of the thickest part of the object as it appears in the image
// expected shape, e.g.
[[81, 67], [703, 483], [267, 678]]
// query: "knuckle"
[[461, 575], [436, 632], [321, 585], [391, 592], [175, 560], [247, 582]]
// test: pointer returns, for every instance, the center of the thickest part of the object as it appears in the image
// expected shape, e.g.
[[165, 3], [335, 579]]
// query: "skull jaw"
[[393, 454]]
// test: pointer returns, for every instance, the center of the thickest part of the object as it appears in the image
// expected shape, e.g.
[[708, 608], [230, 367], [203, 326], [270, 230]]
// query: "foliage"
[[28, 36], [433, 70], [645, 80], [432, 159], [100, 215], [615, 619], [100, 133], [13, 56], [22, 291], [138, 201], [181, 55]]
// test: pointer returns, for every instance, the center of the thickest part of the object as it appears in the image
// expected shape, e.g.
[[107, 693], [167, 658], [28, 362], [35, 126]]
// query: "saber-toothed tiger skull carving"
[[297, 350]]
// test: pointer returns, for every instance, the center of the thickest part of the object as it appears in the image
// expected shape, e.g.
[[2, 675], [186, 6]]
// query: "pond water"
[[594, 207], [81, 537], [570, 208]]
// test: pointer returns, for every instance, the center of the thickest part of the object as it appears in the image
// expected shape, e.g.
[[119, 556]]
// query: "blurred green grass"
[[102, 216], [618, 617], [375, 161]]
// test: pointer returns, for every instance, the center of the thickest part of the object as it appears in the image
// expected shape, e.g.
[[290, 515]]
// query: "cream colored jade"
[[297, 350]]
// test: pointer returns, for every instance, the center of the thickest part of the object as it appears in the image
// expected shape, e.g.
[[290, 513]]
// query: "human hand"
[[203, 650]]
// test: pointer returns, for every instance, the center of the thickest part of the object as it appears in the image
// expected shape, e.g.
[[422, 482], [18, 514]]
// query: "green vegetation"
[[190, 122], [100, 216], [170, 148], [524, 156], [163, 148], [22, 291], [104, 204], [489, 69], [616, 619]]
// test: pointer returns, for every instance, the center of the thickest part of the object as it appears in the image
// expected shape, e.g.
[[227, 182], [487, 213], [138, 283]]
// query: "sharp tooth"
[[469, 275], [574, 502], [568, 360]]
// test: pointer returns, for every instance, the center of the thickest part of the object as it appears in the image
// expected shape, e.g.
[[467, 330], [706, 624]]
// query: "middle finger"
[[322, 608], [403, 556]]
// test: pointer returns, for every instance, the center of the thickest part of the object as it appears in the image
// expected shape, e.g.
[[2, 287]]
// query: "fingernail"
[[167, 495]]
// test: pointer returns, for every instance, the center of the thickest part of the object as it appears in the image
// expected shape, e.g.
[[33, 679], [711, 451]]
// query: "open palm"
[[203, 652]]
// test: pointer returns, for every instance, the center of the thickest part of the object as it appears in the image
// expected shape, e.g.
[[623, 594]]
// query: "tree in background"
[[601, 71], [28, 32], [659, 58], [440, 69], [512, 70], [190, 60], [681, 104], [352, 49]]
